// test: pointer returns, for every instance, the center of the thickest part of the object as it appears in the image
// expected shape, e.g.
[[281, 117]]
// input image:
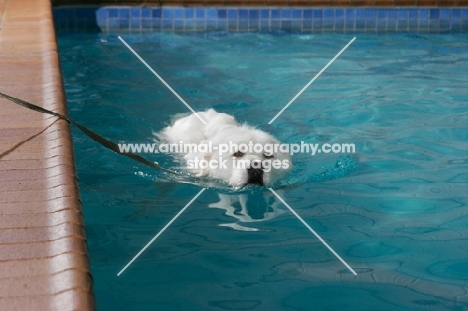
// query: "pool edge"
[[43, 252]]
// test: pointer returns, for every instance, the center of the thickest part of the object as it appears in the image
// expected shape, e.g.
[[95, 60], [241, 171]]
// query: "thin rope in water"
[[91, 134]]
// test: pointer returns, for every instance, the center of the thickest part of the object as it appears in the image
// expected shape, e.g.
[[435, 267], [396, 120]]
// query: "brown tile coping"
[[43, 252], [302, 3]]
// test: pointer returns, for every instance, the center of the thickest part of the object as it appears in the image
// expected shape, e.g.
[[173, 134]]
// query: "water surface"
[[399, 219]]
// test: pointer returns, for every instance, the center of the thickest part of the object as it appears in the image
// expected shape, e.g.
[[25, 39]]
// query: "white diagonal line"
[[308, 84], [160, 232], [161, 79], [312, 230]]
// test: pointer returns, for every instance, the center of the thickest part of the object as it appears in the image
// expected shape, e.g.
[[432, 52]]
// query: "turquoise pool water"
[[398, 218]]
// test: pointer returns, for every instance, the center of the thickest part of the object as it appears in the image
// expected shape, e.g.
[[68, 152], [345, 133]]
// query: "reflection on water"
[[248, 208]]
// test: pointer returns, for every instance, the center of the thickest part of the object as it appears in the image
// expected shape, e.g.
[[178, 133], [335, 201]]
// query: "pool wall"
[[242, 19]]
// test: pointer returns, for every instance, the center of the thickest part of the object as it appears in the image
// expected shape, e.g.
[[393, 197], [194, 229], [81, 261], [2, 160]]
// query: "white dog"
[[225, 150]]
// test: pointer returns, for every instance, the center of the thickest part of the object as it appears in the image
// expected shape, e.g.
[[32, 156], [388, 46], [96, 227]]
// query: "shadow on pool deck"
[[43, 253]]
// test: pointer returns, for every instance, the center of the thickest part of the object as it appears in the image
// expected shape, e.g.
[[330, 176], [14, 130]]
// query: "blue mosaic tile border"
[[190, 19]]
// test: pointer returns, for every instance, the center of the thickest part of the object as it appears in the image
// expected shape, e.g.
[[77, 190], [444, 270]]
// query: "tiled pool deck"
[[43, 254]]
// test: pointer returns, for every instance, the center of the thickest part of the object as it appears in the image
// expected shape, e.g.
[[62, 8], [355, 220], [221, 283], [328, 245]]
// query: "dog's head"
[[225, 150], [245, 156]]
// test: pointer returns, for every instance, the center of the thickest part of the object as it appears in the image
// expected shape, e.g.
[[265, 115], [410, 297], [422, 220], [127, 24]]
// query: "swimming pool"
[[399, 219]]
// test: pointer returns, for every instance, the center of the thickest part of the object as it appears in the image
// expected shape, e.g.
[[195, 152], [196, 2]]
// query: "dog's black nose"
[[255, 176]]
